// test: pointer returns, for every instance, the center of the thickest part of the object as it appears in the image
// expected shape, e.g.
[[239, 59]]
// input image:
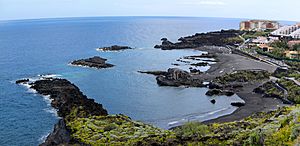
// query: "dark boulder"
[[213, 101], [238, 104]]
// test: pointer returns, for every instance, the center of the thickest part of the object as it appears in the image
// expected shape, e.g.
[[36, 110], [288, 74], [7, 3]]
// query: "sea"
[[31, 48]]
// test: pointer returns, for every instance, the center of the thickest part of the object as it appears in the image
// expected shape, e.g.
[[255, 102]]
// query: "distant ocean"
[[29, 48]]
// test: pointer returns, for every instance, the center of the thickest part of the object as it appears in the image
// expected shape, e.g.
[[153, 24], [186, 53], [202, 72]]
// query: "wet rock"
[[213, 101], [95, 62], [22, 81]]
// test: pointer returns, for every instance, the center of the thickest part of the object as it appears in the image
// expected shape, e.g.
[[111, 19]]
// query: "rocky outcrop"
[[114, 48], [94, 62], [22, 81], [66, 96], [238, 104], [156, 73], [218, 92], [270, 89], [236, 80], [218, 38], [283, 72], [59, 136], [200, 57], [177, 77], [228, 86], [70, 104]]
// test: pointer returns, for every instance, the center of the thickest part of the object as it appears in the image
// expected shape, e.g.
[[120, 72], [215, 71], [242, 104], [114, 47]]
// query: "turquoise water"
[[29, 48]]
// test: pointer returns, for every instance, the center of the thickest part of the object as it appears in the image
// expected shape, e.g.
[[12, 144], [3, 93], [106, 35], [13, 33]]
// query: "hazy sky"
[[261, 9]]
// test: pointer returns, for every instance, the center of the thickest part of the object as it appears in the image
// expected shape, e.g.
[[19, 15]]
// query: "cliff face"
[[70, 103]]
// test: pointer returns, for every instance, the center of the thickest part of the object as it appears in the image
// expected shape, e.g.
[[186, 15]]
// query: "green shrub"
[[192, 129]]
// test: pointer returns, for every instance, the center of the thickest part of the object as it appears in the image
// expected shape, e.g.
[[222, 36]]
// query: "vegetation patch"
[[243, 76], [116, 130], [278, 127], [293, 90]]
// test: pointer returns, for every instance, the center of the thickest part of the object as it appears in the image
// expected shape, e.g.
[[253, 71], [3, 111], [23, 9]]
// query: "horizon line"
[[70, 17]]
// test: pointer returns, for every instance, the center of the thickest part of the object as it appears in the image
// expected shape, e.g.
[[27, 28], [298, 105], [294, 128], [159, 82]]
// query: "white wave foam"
[[50, 76], [199, 117], [43, 138], [46, 98]]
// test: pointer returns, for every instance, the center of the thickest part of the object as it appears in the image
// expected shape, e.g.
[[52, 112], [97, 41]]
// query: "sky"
[[254, 9]]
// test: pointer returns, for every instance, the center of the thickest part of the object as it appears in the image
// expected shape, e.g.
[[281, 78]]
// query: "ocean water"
[[29, 48]]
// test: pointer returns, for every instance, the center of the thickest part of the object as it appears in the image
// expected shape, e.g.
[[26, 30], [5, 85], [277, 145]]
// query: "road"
[[267, 59]]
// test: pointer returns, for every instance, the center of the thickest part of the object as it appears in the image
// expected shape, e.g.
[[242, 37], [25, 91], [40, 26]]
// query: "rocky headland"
[[218, 38], [85, 122], [114, 48], [94, 62], [175, 77]]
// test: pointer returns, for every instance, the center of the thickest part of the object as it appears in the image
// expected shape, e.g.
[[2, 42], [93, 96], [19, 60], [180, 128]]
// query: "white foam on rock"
[[43, 138], [46, 98]]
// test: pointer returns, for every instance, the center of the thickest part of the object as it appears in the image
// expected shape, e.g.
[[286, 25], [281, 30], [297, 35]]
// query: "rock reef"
[[94, 62], [114, 48]]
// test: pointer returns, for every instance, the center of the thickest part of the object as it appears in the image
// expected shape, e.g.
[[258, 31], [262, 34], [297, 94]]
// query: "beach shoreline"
[[254, 103]]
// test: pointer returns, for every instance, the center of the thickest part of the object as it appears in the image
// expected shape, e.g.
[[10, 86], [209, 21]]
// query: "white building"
[[288, 31]]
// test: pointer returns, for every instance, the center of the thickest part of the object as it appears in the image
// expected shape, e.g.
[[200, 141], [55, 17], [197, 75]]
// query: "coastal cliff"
[[85, 122]]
